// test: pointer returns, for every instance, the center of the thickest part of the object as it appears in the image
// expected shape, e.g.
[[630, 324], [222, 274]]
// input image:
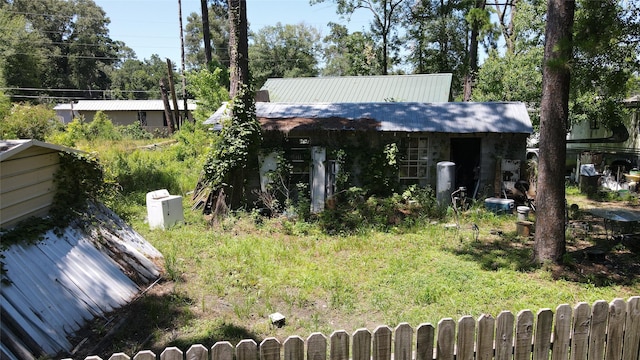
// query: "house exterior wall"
[[26, 184], [154, 118], [361, 146]]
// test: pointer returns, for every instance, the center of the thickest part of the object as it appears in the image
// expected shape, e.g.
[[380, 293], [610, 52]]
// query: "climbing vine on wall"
[[239, 140], [79, 179]]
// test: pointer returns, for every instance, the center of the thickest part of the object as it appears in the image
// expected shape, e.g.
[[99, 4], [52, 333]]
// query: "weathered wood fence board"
[[609, 331]]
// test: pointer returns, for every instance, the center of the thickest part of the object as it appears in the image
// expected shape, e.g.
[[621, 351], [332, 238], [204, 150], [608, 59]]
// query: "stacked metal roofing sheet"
[[53, 287], [461, 118], [399, 88]]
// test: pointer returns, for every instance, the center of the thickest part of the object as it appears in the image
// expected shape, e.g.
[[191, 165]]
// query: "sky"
[[152, 26]]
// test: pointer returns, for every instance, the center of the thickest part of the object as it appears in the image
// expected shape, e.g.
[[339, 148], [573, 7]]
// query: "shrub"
[[134, 132], [28, 122], [102, 128]]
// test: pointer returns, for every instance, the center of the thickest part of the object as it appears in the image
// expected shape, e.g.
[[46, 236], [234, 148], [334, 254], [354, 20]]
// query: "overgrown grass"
[[238, 273], [227, 279]]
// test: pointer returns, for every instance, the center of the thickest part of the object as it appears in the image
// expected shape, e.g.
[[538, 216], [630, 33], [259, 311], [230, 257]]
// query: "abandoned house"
[[322, 141]]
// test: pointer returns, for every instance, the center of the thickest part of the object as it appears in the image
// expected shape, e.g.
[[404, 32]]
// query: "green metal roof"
[[425, 88]]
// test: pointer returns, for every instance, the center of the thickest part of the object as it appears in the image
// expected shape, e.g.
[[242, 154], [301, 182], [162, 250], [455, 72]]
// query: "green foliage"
[[350, 54], [353, 210], [101, 127], [501, 77], [438, 32], [380, 173], [384, 25], [21, 54], [28, 122], [68, 136], [219, 30], [132, 172], [284, 51], [5, 105], [134, 132], [589, 106], [79, 179], [238, 142], [209, 89], [606, 57], [62, 59], [139, 80]]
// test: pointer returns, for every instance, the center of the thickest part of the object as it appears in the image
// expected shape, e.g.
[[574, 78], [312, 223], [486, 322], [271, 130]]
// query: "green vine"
[[78, 180], [239, 141]]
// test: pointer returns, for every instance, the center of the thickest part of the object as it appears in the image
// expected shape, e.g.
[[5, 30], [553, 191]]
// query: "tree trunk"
[[554, 110], [239, 44], [472, 67], [239, 76], [206, 32]]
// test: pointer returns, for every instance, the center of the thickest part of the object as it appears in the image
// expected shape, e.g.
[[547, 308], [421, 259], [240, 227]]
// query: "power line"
[[76, 90]]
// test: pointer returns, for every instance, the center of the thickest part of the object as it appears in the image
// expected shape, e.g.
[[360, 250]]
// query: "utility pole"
[[167, 109], [184, 79], [172, 88]]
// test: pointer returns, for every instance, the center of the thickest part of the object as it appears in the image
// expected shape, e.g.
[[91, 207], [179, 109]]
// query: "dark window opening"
[[142, 118]]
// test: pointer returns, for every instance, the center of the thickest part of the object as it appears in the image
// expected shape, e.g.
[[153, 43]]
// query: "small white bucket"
[[523, 213]]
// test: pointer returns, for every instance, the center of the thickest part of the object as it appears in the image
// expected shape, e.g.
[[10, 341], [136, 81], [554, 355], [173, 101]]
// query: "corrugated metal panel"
[[60, 283], [121, 105], [399, 88], [461, 118]]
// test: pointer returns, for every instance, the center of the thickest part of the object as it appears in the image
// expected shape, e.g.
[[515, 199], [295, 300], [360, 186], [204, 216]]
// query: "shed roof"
[[464, 117], [121, 105], [402, 88], [63, 281], [9, 148]]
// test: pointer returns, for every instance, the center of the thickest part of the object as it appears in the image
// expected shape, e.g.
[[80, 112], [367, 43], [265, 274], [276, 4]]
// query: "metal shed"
[[26, 178]]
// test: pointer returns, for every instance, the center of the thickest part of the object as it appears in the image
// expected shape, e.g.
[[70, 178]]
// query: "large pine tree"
[[554, 114]]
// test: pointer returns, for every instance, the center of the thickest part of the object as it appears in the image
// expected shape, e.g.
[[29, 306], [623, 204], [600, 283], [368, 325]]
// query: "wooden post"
[[167, 109], [173, 94]]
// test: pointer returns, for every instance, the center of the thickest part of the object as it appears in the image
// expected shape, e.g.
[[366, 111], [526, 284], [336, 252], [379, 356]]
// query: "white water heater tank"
[[164, 210], [445, 182]]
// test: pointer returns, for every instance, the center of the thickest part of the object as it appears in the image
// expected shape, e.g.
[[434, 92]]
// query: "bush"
[[102, 128], [134, 132], [28, 122], [353, 210]]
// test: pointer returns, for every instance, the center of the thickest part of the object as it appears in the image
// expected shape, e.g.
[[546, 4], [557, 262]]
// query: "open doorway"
[[465, 153]]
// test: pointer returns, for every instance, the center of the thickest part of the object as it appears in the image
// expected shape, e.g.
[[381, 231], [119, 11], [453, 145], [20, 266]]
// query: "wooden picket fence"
[[609, 331]]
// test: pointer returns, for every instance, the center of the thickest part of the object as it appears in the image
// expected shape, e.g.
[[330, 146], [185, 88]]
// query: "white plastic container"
[[164, 210], [523, 213]]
